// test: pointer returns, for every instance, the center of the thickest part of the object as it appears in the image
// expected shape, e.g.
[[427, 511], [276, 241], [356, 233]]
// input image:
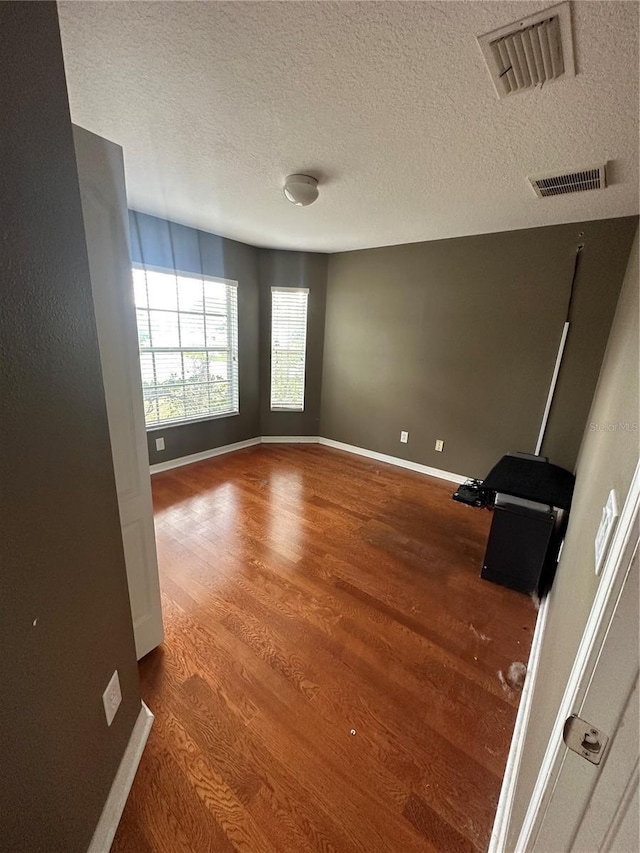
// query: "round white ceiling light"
[[301, 190]]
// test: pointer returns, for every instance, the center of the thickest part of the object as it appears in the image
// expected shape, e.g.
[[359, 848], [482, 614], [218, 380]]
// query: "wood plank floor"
[[309, 594]]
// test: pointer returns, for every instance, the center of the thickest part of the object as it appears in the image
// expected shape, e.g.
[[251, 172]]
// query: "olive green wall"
[[293, 269], [607, 460], [159, 243], [65, 622], [457, 339]]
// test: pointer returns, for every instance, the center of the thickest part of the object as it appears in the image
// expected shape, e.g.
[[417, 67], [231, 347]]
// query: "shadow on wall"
[[158, 243], [166, 245]]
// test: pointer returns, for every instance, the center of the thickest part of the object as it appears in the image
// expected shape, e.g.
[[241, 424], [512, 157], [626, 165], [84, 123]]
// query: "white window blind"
[[288, 347], [188, 340]]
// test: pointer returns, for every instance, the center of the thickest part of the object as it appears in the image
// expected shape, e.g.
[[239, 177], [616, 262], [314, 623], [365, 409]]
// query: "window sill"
[[171, 424]]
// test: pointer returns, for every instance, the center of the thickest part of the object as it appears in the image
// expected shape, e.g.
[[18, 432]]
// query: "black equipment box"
[[523, 544], [529, 520]]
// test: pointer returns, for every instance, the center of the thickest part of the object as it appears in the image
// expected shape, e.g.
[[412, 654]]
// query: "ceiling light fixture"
[[301, 190]]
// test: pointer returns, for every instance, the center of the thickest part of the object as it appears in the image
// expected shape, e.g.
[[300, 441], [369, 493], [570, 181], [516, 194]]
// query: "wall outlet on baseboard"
[[439, 445], [159, 443], [404, 436], [112, 697]]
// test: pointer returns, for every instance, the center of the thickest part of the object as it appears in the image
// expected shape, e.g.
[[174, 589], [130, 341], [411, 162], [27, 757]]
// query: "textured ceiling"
[[388, 103]]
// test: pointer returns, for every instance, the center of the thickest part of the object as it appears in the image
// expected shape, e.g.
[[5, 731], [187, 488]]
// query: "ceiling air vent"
[[593, 178], [530, 52]]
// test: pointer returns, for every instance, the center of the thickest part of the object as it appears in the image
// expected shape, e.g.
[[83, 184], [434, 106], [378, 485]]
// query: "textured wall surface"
[[607, 461], [293, 269], [65, 621], [457, 339], [165, 244], [389, 104]]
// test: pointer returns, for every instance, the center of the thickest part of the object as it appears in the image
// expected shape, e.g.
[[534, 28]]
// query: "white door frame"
[[595, 632], [500, 829], [611, 582], [104, 207]]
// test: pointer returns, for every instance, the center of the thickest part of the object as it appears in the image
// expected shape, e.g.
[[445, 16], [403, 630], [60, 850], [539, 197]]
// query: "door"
[[595, 807], [104, 207], [578, 805]]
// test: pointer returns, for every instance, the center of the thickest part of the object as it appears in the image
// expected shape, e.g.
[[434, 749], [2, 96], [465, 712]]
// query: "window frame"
[[145, 268], [272, 408]]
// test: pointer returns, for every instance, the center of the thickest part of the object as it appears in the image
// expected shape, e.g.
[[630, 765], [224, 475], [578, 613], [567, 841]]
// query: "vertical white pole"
[[552, 387]]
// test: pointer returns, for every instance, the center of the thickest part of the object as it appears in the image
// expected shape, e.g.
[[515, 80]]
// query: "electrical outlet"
[[439, 445], [404, 436], [112, 697], [159, 443]]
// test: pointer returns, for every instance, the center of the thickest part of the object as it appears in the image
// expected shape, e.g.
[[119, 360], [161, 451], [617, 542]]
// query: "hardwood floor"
[[330, 675]]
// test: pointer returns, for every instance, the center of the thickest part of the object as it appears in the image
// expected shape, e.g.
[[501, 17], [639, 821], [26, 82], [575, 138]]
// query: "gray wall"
[[159, 243], [293, 269], [607, 460], [453, 339], [456, 339], [65, 623]]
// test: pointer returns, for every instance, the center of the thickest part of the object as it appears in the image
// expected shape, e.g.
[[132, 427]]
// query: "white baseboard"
[[395, 460], [205, 454], [308, 439], [498, 842], [290, 439], [113, 808]]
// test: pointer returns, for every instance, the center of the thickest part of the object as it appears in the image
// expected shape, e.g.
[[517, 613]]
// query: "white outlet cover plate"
[[605, 530], [404, 436], [159, 443], [112, 697], [439, 445]]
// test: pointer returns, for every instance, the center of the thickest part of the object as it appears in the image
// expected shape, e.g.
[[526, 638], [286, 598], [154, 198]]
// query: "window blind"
[[288, 347], [188, 341]]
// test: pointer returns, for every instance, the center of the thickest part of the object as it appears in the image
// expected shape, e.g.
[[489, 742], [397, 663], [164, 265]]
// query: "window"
[[288, 347], [188, 339]]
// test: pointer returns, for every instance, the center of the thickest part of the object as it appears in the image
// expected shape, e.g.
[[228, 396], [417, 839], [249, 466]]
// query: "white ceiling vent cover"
[[530, 52], [593, 178]]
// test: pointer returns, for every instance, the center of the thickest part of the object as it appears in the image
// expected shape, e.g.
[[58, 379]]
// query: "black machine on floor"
[[472, 493], [522, 551], [531, 507]]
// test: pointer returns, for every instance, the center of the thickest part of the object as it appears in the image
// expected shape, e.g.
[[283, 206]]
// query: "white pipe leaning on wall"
[[552, 387]]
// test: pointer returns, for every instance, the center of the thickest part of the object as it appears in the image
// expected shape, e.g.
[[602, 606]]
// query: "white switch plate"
[[605, 530], [112, 697], [404, 436], [159, 443], [439, 445]]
